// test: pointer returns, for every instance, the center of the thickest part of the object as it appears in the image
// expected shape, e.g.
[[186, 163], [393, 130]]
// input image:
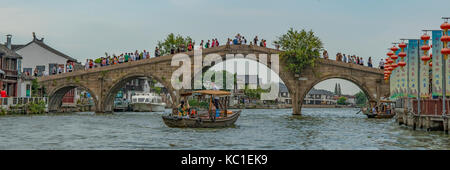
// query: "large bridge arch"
[[353, 80], [108, 99], [56, 95]]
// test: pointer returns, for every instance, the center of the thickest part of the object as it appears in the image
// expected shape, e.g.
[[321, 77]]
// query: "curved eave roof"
[[5, 52]]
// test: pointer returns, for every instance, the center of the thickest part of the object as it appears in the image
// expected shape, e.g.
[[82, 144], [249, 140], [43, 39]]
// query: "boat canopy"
[[387, 101], [208, 92]]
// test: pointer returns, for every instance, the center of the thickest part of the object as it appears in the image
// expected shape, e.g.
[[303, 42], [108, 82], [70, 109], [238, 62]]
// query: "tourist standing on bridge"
[[381, 64], [157, 53], [190, 46], [213, 43], [201, 44], [217, 42], [369, 63], [325, 54], [127, 57], [361, 61], [207, 45], [345, 58], [255, 41], [86, 65]]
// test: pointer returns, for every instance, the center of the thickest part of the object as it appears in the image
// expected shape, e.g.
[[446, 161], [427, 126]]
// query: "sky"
[[89, 28]]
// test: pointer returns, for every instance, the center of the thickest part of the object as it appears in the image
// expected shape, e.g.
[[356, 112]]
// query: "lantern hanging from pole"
[[425, 48], [445, 39], [402, 54]]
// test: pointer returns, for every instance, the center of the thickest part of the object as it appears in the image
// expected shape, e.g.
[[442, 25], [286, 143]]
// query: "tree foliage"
[[342, 101], [361, 98], [172, 42], [225, 81], [35, 88], [300, 49], [254, 94]]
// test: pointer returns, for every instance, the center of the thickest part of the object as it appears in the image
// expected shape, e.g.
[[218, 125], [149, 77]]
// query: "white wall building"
[[39, 59]]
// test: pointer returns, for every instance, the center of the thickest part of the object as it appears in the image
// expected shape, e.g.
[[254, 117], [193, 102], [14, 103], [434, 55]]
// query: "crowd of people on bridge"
[[141, 55], [350, 59]]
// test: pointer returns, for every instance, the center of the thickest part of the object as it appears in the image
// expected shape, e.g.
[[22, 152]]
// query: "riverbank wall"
[[430, 117]]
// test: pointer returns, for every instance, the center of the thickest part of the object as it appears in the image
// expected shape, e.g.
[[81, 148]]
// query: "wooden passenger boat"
[[205, 118], [383, 107], [201, 122]]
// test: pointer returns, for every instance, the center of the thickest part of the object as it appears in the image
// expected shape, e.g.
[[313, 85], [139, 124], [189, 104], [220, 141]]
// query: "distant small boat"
[[384, 109], [120, 105], [206, 118], [147, 102]]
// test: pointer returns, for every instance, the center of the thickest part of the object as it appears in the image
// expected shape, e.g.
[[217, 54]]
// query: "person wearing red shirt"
[[3, 93]]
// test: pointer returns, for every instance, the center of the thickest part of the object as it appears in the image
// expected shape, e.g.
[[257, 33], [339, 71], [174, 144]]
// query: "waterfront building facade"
[[39, 59], [9, 65], [320, 97]]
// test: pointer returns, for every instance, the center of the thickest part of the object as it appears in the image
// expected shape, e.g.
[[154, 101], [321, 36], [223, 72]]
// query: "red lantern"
[[402, 54], [425, 59], [431, 64], [425, 47], [402, 64], [394, 66], [388, 68], [445, 38], [390, 53], [394, 57], [445, 51], [402, 45], [425, 37], [394, 49], [445, 26], [390, 61]]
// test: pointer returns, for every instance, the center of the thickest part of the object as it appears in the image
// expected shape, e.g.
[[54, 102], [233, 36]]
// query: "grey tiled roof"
[[41, 43], [4, 51], [320, 91]]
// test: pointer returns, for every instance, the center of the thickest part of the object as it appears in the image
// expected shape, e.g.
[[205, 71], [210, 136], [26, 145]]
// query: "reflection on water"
[[255, 129]]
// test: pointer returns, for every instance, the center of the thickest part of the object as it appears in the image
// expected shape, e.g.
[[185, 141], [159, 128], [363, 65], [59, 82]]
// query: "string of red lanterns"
[[445, 39], [394, 58], [425, 58], [402, 54], [388, 69]]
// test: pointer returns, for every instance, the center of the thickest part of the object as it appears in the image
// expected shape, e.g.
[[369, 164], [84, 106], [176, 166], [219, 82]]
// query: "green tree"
[[254, 94], [342, 101], [35, 88], [172, 42], [361, 98], [300, 49], [224, 74]]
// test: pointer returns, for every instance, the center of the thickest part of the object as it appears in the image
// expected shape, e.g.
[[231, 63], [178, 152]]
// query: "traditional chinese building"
[[39, 59], [9, 63]]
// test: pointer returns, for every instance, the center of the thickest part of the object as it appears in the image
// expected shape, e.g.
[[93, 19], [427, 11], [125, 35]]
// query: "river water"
[[255, 129]]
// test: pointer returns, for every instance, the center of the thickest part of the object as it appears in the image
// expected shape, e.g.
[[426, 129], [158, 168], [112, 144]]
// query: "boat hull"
[[177, 122], [148, 107], [380, 116]]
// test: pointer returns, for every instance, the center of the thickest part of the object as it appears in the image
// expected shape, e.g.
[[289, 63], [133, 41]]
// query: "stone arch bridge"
[[103, 83]]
